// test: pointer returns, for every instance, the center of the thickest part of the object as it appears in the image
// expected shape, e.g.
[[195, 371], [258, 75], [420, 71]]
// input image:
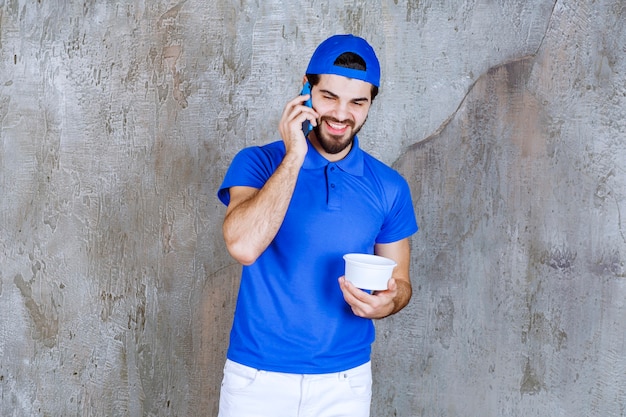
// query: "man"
[[301, 338]]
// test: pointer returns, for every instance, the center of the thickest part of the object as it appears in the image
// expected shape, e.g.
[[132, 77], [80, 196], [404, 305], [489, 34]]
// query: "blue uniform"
[[290, 315]]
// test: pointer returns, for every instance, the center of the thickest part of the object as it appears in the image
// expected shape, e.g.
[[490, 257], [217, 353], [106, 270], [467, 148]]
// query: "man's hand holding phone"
[[298, 114]]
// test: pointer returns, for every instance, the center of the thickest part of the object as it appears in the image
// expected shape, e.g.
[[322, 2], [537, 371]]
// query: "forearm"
[[253, 217], [251, 222]]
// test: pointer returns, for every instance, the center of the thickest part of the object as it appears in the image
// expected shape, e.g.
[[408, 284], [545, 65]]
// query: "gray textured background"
[[119, 118]]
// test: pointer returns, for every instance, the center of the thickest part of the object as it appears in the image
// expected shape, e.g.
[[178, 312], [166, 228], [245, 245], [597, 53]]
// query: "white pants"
[[248, 392]]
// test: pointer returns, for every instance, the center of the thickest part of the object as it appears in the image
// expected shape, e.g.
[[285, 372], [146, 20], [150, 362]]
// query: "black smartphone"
[[306, 126]]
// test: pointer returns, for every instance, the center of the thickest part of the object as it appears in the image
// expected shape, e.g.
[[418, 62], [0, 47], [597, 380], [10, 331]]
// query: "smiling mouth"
[[337, 128]]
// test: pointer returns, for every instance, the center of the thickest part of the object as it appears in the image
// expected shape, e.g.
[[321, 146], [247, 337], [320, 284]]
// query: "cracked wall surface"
[[118, 120], [521, 193]]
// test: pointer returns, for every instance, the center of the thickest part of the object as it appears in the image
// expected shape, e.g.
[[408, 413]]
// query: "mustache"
[[335, 120]]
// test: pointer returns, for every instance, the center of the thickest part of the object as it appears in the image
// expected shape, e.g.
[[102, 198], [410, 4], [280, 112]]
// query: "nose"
[[341, 111]]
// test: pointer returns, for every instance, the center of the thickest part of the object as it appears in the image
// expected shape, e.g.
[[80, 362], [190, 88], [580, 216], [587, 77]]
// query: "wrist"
[[294, 159]]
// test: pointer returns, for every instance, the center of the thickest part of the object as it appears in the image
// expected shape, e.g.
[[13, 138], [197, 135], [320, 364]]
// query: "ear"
[[304, 80]]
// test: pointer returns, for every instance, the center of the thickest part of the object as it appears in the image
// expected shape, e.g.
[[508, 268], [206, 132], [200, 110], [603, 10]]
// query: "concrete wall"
[[118, 120]]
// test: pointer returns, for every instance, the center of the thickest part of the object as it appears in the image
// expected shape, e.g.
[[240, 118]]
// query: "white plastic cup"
[[368, 272]]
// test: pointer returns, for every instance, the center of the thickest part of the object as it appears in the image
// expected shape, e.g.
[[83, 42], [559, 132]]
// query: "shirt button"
[[332, 185]]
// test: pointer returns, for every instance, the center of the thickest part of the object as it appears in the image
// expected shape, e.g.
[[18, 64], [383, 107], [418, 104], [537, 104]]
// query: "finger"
[[289, 108], [392, 288], [356, 297], [298, 104], [392, 285], [301, 113]]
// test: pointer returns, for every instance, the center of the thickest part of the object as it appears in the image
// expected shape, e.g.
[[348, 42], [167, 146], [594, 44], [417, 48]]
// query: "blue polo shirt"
[[290, 314]]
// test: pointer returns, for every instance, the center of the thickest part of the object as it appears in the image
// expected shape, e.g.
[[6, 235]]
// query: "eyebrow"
[[354, 100]]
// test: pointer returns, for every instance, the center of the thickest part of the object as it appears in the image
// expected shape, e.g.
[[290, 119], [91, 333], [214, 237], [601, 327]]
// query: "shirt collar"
[[351, 163]]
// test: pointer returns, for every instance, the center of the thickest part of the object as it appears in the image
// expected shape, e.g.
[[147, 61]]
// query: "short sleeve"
[[400, 221], [251, 167]]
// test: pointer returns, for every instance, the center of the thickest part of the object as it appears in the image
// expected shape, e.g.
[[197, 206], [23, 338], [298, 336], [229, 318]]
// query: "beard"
[[334, 144]]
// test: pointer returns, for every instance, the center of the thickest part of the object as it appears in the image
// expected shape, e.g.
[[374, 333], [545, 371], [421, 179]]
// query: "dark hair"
[[346, 60]]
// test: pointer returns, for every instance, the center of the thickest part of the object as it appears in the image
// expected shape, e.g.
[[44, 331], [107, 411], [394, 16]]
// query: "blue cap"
[[323, 59]]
